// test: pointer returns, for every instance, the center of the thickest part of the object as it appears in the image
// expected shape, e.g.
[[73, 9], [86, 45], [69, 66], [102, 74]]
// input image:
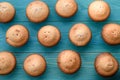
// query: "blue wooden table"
[[88, 53]]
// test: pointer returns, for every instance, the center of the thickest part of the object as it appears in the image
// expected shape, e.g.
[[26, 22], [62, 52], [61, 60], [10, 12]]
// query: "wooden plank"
[[81, 15], [96, 44], [87, 71]]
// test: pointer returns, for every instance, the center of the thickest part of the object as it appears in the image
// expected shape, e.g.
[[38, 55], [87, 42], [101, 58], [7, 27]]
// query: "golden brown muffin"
[[80, 34], [99, 10], [7, 62], [106, 65], [49, 36], [17, 35], [66, 8], [111, 33], [7, 12], [69, 61], [37, 11], [35, 65]]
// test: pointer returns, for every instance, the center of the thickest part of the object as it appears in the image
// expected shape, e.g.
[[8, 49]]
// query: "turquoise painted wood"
[[88, 53]]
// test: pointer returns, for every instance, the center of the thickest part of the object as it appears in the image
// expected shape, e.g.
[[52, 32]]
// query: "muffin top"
[[7, 12], [111, 33], [35, 65], [37, 11], [7, 62], [66, 8], [80, 34], [69, 61], [49, 36], [106, 65], [99, 10], [17, 35]]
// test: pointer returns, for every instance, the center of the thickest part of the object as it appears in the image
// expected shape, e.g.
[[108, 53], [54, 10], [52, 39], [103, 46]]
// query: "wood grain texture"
[[88, 53]]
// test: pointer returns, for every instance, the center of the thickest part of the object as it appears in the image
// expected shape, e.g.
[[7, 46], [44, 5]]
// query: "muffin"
[[80, 34], [7, 62], [7, 12], [99, 10], [66, 8], [35, 65], [69, 61], [49, 36], [17, 35], [37, 11], [111, 33], [106, 65]]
